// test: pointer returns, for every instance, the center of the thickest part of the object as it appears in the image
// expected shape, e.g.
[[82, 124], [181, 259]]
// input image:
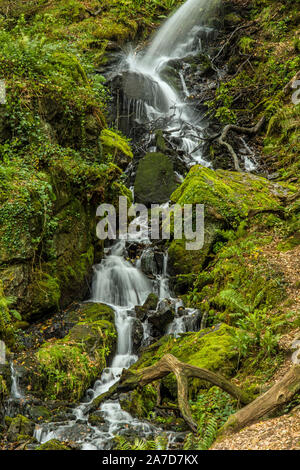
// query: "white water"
[[15, 391], [156, 98], [116, 281]]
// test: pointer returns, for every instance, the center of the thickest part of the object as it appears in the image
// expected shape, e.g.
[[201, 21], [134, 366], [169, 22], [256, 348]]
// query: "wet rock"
[[150, 304], [20, 426], [155, 179], [136, 334], [162, 317]]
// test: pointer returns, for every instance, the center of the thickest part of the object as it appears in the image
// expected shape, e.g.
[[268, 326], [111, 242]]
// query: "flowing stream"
[[117, 282], [150, 93]]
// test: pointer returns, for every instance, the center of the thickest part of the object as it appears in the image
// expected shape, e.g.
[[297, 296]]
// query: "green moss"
[[53, 444], [210, 349], [183, 261], [67, 367], [44, 291], [141, 402], [155, 179], [18, 427], [229, 195], [112, 141]]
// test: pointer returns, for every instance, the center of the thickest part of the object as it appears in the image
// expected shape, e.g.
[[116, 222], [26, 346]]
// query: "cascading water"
[[117, 282], [15, 392], [147, 86]]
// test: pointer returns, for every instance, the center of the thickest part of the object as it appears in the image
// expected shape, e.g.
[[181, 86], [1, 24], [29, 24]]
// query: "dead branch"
[[182, 371], [290, 85], [282, 392], [243, 130]]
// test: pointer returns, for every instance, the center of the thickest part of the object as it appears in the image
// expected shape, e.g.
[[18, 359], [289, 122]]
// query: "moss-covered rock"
[[211, 349], [117, 147], [140, 403], [65, 368], [53, 444], [230, 196], [20, 426], [155, 179]]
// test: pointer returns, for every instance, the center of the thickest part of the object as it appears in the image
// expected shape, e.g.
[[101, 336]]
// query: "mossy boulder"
[[155, 179], [20, 426], [53, 444], [140, 402], [230, 196], [65, 368], [116, 146], [232, 20]]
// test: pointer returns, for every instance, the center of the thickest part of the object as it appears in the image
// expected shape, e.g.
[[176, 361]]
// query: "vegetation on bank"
[[59, 160]]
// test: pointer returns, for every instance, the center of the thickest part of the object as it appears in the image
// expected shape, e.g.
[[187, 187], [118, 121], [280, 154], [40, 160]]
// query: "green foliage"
[[159, 443], [211, 410]]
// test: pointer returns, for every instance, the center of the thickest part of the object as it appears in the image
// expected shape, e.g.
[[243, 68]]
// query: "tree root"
[[243, 130]]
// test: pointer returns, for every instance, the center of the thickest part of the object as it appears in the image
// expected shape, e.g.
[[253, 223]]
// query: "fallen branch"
[[182, 371], [278, 395], [243, 130], [282, 392]]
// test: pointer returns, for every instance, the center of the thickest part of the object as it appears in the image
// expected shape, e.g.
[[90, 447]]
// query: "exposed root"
[[243, 130]]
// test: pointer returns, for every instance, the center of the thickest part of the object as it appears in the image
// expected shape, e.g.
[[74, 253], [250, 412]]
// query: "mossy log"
[[278, 395], [182, 371]]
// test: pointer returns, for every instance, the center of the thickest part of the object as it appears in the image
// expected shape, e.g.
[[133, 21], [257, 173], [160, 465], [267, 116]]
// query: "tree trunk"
[[282, 392], [170, 364]]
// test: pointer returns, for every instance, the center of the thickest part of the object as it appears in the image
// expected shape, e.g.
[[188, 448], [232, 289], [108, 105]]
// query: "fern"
[[159, 443], [207, 433]]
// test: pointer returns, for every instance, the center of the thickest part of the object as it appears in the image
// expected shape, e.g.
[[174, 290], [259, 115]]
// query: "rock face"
[[155, 179]]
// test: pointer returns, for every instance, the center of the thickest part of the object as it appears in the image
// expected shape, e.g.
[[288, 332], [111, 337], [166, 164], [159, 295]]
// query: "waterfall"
[[175, 36], [147, 89], [15, 389]]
